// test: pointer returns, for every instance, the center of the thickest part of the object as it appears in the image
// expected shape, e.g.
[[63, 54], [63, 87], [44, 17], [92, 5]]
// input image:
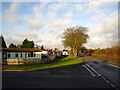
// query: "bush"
[[108, 53]]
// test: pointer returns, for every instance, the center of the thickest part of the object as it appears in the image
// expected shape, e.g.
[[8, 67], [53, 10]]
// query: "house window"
[[21, 54], [31, 54], [34, 55], [9, 55], [16, 55]]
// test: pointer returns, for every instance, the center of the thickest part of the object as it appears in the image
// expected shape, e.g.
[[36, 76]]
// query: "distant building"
[[17, 56], [56, 53], [44, 52], [66, 52]]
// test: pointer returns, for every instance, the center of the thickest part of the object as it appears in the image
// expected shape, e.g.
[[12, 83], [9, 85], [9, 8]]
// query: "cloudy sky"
[[44, 22]]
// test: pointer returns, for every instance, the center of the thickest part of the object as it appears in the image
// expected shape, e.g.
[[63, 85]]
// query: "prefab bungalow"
[[57, 53], [66, 52], [18, 56], [44, 52]]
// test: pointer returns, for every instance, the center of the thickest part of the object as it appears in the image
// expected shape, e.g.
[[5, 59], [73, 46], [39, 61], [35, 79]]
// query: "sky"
[[45, 22]]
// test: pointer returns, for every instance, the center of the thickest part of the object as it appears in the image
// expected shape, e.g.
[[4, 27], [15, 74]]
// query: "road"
[[79, 76], [109, 70]]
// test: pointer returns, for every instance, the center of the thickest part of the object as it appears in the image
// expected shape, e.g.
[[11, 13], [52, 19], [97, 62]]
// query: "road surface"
[[79, 76]]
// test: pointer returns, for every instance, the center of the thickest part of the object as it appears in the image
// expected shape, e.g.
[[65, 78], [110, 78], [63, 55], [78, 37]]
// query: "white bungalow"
[[44, 52], [19, 56], [57, 53], [66, 52]]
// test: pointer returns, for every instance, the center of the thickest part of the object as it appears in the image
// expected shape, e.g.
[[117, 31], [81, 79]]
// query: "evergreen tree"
[[12, 45], [42, 47], [2, 42], [27, 44]]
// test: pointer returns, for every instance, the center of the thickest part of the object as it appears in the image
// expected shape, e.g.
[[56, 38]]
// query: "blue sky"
[[44, 22]]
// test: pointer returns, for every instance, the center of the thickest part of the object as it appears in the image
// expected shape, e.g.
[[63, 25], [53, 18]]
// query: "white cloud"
[[9, 39], [57, 6], [10, 15], [61, 23], [36, 21], [95, 5], [79, 7], [105, 32], [68, 15]]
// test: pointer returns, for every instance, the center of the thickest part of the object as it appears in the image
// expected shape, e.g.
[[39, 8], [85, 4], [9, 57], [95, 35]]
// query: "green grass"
[[70, 60]]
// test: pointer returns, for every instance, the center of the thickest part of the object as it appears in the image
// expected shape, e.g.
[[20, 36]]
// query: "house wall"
[[24, 55], [58, 54], [66, 53], [13, 60], [44, 52]]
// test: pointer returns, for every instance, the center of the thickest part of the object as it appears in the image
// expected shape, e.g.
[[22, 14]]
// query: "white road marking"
[[112, 85], [114, 65], [89, 70], [100, 75], [93, 70], [107, 81]]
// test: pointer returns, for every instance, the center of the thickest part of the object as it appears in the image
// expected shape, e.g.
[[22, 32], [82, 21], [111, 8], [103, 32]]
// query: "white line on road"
[[93, 70], [100, 75], [114, 65], [89, 70]]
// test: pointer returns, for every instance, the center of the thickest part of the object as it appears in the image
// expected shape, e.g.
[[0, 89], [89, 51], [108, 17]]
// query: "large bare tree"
[[74, 38]]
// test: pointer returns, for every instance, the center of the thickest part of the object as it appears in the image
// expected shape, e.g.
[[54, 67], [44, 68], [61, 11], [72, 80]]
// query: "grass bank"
[[70, 60]]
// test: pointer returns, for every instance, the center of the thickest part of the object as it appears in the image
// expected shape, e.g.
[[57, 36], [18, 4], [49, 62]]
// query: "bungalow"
[[18, 56], [66, 52], [44, 52], [56, 53]]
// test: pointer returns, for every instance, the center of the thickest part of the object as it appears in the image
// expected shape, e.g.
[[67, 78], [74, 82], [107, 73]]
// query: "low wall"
[[19, 61]]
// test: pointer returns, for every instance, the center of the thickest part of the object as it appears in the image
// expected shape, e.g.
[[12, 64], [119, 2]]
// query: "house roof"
[[21, 49], [66, 51], [52, 50]]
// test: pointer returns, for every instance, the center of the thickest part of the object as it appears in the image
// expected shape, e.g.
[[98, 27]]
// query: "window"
[[31, 54], [16, 55], [21, 54], [9, 55], [34, 55]]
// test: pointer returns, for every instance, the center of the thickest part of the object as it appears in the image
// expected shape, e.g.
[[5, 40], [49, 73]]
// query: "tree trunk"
[[74, 51]]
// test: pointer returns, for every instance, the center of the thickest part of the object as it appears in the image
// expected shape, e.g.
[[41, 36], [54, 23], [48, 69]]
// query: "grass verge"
[[70, 60]]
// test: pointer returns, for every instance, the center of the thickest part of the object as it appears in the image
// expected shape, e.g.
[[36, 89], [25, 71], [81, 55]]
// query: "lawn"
[[70, 60]]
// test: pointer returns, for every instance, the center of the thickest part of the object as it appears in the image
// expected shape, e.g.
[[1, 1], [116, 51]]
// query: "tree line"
[[26, 44]]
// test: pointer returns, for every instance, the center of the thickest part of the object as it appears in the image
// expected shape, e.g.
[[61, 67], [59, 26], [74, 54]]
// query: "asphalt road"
[[79, 76]]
